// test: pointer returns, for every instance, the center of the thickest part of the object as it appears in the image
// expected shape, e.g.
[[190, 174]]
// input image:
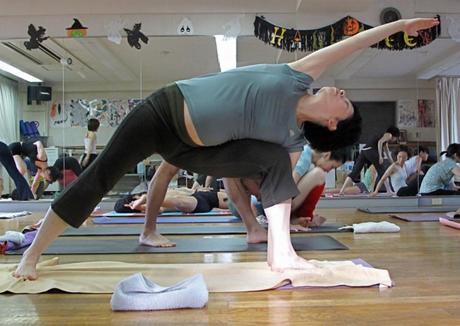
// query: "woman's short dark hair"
[[394, 131], [325, 140], [339, 155], [452, 149], [93, 124], [120, 207], [54, 173]]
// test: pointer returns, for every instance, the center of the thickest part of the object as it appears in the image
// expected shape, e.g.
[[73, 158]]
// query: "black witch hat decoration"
[[36, 37], [77, 29], [135, 35]]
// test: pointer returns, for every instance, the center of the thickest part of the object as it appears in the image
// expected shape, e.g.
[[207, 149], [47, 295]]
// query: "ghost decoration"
[[114, 29], [233, 27], [454, 27], [185, 27]]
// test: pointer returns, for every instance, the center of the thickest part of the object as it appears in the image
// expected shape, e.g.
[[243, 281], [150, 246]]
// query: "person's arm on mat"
[[35, 183], [386, 175], [317, 62]]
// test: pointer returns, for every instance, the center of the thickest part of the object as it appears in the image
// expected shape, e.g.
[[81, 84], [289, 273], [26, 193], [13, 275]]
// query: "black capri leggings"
[[157, 126], [367, 156]]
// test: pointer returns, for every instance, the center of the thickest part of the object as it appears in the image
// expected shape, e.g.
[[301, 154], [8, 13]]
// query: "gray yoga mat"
[[196, 244], [167, 230], [420, 217], [415, 209], [167, 220]]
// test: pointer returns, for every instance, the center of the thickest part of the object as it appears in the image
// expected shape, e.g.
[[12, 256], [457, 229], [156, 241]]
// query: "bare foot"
[[291, 261], [257, 235], [317, 220], [27, 269], [155, 240], [302, 221]]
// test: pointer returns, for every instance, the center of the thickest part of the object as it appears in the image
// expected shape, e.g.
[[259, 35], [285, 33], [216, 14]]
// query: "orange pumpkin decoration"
[[350, 26]]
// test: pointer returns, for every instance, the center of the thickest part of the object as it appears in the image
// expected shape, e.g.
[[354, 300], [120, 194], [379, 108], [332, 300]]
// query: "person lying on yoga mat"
[[439, 178], [396, 173], [196, 202], [224, 124], [372, 154]]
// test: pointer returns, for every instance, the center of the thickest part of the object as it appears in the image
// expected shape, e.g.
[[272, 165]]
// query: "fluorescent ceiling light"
[[226, 52], [18, 73]]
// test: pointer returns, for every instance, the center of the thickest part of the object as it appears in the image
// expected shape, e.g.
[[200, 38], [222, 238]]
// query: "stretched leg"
[[155, 197], [355, 174], [236, 192], [280, 254], [75, 204], [52, 227]]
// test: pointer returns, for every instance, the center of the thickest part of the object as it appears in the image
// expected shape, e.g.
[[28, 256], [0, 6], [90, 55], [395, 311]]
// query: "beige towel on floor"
[[103, 276]]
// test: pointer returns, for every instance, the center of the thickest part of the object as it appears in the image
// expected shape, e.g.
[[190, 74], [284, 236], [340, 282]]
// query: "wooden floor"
[[423, 260]]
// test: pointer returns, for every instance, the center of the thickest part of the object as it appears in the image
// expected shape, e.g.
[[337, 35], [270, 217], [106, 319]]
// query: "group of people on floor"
[[29, 158]]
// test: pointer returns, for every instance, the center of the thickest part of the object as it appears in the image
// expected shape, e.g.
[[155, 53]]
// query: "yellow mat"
[[103, 276]]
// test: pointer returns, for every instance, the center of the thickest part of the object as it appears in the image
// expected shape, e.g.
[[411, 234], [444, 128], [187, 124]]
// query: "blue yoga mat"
[[210, 213], [165, 220]]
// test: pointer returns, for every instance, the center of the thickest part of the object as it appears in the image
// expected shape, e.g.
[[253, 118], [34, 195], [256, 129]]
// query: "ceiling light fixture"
[[18, 73], [226, 52]]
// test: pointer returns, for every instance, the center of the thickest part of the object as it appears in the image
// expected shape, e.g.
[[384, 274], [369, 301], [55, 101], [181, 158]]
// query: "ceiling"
[[97, 61]]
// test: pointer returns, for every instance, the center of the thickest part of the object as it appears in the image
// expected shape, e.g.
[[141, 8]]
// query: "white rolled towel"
[[139, 293], [13, 236], [373, 227]]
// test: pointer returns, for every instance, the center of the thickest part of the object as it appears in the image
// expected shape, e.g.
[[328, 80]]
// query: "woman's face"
[[336, 106], [401, 157]]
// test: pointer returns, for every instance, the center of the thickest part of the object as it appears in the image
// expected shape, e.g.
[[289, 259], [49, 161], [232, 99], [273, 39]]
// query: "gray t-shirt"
[[255, 102], [438, 176]]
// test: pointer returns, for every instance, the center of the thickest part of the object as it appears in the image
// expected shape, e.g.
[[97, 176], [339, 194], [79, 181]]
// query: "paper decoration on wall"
[[185, 27], [233, 27], [454, 27], [135, 35], [110, 112], [406, 113], [114, 29], [36, 37], [311, 40], [425, 116], [77, 29]]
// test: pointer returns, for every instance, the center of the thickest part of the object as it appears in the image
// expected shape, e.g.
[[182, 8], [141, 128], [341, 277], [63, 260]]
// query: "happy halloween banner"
[[314, 39]]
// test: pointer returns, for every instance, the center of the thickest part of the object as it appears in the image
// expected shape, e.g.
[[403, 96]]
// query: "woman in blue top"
[[225, 124], [438, 179]]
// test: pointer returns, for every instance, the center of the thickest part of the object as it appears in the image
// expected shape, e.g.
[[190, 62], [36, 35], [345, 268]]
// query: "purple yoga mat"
[[29, 237], [420, 217], [166, 220], [357, 261]]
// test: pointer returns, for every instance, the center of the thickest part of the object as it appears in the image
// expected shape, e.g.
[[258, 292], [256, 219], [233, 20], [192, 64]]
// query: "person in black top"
[[372, 154], [35, 152]]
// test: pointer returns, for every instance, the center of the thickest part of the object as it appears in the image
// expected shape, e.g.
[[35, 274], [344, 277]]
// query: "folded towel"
[[14, 237], [372, 227], [8, 215], [139, 293]]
